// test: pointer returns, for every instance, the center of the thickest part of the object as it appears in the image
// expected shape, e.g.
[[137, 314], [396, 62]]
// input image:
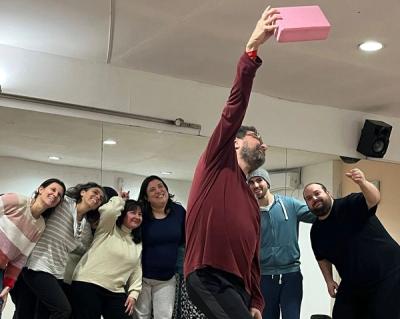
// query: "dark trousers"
[[378, 301], [41, 296], [218, 294], [24, 300], [282, 293], [90, 301]]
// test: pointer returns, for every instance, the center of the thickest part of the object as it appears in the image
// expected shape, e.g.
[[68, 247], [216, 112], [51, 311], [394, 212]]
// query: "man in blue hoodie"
[[281, 279]]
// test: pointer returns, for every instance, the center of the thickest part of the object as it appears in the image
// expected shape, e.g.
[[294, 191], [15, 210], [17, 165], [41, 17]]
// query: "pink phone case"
[[303, 23]]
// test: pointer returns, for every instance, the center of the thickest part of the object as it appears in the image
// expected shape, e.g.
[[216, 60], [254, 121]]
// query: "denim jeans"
[[282, 294]]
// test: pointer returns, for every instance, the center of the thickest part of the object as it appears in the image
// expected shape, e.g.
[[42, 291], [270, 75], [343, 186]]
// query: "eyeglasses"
[[255, 135]]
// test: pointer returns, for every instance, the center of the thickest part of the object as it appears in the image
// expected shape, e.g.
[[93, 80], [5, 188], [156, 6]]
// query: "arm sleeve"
[[234, 110], [314, 245], [10, 202], [257, 300], [13, 270], [134, 285], [303, 212], [358, 206], [109, 213]]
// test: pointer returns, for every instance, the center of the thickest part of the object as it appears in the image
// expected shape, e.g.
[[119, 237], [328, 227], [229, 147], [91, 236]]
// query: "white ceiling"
[[201, 41], [35, 136]]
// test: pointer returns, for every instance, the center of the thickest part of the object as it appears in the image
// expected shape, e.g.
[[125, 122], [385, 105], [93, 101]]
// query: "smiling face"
[[258, 186], [50, 195], [318, 200], [133, 218], [157, 194], [92, 197], [251, 149]]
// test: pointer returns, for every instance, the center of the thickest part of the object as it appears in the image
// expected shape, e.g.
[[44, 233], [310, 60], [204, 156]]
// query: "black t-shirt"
[[353, 239]]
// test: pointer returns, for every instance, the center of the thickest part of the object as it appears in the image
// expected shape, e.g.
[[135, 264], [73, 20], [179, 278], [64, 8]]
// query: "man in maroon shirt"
[[223, 222]]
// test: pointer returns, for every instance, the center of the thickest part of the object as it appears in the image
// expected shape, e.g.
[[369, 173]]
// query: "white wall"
[[316, 299], [24, 176], [307, 127]]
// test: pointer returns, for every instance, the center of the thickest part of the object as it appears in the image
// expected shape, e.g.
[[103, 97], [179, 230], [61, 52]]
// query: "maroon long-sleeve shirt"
[[223, 220]]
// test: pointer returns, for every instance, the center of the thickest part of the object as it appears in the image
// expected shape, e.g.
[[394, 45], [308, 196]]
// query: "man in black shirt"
[[348, 234]]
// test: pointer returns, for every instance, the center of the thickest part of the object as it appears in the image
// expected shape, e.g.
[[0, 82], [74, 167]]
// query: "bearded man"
[[348, 235], [222, 267]]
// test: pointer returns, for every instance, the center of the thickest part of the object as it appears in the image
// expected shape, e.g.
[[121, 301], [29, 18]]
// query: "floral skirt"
[[184, 308]]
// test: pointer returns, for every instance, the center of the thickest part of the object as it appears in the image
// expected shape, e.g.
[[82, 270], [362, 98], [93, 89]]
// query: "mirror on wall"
[[131, 152], [87, 152], [35, 146]]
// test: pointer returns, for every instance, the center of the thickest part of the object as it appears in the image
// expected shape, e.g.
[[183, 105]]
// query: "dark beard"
[[323, 210], [254, 158]]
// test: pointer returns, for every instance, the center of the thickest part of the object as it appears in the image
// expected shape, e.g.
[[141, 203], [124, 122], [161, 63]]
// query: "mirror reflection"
[[121, 156]]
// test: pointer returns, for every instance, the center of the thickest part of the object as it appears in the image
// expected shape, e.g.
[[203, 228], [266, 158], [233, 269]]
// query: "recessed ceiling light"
[[109, 142], [370, 46], [54, 158], [166, 173]]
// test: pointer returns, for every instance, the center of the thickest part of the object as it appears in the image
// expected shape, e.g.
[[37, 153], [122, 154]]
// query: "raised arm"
[[370, 192], [109, 213], [303, 212], [326, 269], [257, 301], [235, 108], [264, 29]]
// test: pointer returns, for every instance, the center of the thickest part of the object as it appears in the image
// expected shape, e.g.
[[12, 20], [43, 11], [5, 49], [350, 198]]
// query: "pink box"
[[302, 24]]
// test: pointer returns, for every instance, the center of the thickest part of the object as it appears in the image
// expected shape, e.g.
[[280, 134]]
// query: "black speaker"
[[374, 139], [320, 317]]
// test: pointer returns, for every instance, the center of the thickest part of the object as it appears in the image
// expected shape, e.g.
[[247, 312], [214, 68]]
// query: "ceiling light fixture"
[[109, 142], [166, 173], [370, 46], [54, 158]]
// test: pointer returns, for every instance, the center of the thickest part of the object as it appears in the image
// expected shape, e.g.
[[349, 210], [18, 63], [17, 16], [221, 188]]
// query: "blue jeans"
[[282, 293]]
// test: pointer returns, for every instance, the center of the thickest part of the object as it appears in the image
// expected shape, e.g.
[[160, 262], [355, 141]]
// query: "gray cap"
[[260, 172]]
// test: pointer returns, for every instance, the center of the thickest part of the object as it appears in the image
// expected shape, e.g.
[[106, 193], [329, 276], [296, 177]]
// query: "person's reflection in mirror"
[[348, 235]]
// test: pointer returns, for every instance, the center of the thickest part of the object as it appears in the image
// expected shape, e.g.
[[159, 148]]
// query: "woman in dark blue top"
[[163, 232]]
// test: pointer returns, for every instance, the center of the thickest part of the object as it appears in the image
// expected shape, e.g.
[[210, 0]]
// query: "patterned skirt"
[[184, 308]]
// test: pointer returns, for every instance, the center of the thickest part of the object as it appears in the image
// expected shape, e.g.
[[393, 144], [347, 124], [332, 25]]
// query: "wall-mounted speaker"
[[374, 139]]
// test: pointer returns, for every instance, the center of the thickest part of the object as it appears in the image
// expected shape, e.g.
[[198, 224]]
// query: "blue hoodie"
[[279, 247]]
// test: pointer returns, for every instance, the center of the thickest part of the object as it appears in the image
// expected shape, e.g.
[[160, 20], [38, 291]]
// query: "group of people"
[[87, 251], [83, 253], [229, 231]]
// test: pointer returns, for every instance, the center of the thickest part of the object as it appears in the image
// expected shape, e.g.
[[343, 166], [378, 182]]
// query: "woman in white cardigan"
[[108, 278]]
